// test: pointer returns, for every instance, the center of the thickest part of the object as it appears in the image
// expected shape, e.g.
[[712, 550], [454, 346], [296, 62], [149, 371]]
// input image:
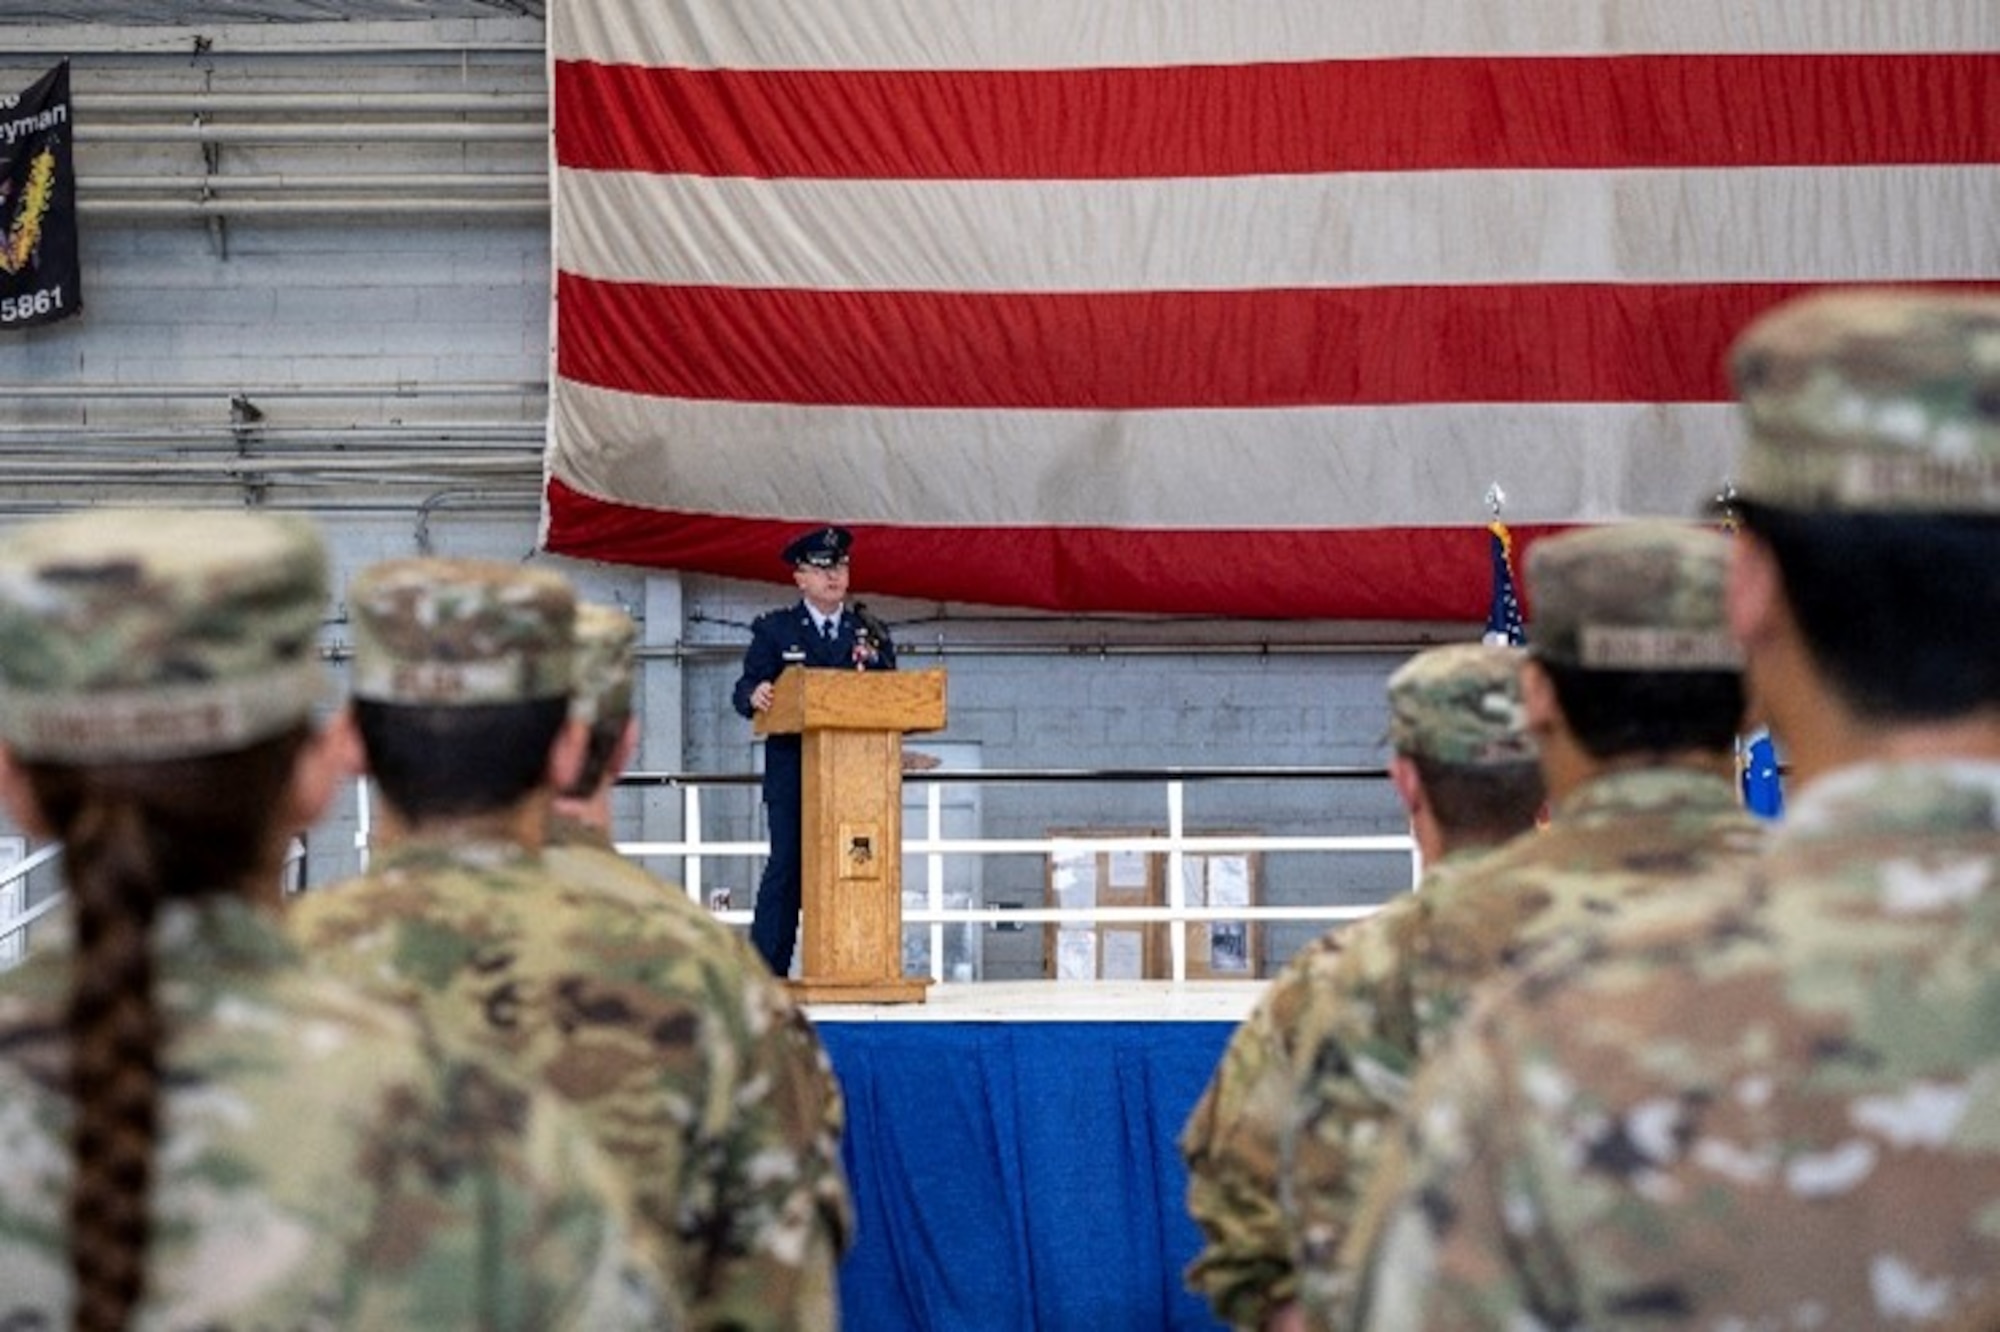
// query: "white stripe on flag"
[[1232, 233], [1274, 468], [1069, 34]]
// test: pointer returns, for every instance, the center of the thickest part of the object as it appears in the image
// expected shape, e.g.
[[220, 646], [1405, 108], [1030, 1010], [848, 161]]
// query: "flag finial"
[[1496, 499], [1724, 508]]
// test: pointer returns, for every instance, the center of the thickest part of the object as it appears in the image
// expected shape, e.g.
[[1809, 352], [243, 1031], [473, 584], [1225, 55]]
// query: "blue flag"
[[1762, 794], [1756, 755], [1503, 611]]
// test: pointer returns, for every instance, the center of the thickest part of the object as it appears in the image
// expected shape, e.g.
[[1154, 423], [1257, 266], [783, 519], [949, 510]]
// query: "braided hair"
[[137, 835]]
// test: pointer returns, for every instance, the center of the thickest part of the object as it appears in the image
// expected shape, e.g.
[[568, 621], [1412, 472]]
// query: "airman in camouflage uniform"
[[580, 849], [1633, 693], [238, 1142], [564, 968], [601, 699], [1783, 1112], [1463, 763]]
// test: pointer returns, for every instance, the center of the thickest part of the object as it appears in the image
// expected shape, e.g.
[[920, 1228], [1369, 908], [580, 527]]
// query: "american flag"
[[1230, 307], [1503, 603]]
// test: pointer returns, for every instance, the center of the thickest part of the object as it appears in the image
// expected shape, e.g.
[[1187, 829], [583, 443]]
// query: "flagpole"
[[1503, 608]]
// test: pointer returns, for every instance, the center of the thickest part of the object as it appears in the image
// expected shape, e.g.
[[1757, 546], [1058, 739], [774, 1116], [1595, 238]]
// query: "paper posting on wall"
[[1127, 870], [1124, 954], [1074, 875], [1076, 954]]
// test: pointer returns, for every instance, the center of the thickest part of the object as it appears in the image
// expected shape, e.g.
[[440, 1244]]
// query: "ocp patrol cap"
[[457, 633], [136, 635], [605, 640], [1645, 595], [1875, 401], [1461, 704]]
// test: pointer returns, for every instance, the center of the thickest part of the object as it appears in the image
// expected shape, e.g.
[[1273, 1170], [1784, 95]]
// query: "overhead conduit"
[[114, 123]]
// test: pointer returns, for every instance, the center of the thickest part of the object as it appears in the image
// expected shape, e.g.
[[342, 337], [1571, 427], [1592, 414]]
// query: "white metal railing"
[[16, 921], [13, 890], [693, 852], [934, 847]]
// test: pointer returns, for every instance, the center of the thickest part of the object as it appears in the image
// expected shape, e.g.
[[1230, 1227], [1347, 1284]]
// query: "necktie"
[[826, 630]]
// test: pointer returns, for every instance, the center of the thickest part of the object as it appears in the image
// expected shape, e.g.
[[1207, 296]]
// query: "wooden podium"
[[851, 726]]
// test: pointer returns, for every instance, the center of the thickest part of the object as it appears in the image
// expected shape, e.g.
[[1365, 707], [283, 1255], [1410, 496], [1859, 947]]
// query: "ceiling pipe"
[[266, 392], [39, 469], [328, 205], [412, 131], [330, 103], [494, 180], [25, 441], [178, 45]]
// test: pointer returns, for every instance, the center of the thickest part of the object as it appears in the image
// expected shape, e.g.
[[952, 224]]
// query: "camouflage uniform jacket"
[[1781, 1112], [698, 1075], [313, 1167], [807, 1103], [1232, 1139], [1405, 976], [563, 830]]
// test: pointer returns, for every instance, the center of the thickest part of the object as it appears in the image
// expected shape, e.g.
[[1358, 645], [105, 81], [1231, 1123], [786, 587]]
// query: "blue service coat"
[[779, 639]]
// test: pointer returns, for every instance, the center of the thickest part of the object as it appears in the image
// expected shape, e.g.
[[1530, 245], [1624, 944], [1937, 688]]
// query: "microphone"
[[869, 636], [871, 622]]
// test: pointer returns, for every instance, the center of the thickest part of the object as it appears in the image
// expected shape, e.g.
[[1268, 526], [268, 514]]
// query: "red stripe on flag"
[[1116, 350], [1321, 116], [1383, 573]]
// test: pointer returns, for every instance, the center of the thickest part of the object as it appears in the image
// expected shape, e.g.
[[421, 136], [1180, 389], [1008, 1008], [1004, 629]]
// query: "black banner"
[[39, 279]]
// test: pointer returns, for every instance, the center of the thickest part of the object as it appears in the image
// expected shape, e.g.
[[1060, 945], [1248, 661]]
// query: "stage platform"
[[1062, 1001], [1011, 1148]]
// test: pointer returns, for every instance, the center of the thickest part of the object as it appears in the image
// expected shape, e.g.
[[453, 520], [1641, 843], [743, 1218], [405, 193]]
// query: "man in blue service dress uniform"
[[821, 630]]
